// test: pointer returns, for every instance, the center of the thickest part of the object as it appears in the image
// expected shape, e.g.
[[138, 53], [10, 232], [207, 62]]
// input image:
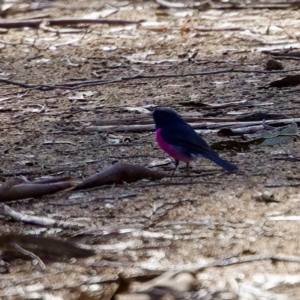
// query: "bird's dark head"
[[164, 117]]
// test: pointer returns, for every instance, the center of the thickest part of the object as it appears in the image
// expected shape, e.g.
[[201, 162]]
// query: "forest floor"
[[205, 234]]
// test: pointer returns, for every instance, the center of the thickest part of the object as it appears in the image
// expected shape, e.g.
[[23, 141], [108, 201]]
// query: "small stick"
[[29, 253]]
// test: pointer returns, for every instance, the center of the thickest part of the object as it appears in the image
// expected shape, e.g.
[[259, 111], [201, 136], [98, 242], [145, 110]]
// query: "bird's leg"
[[176, 167], [188, 168]]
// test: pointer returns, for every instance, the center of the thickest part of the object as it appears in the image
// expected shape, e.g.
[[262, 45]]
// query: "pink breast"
[[171, 150]]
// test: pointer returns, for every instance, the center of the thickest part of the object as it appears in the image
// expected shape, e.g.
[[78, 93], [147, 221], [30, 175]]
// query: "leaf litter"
[[215, 220]]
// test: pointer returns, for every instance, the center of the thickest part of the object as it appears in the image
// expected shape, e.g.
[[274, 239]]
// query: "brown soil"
[[178, 224]]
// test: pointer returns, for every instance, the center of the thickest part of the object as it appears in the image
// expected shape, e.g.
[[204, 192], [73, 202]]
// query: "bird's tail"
[[213, 156]]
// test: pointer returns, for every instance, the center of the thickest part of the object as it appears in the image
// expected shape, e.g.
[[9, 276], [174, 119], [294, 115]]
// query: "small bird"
[[181, 142]]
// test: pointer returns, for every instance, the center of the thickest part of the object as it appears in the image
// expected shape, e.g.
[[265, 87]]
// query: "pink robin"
[[181, 142]]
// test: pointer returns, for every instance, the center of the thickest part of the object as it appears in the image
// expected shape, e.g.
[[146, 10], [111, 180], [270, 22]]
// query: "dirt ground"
[[206, 235]]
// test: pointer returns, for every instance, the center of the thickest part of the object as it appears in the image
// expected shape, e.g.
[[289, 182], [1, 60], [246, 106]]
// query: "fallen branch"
[[43, 221], [120, 173], [20, 188]]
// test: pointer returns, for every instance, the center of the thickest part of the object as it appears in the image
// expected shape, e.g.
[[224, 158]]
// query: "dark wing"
[[185, 136]]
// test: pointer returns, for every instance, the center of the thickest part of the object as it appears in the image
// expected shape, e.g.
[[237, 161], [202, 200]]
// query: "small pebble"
[[266, 196], [273, 64]]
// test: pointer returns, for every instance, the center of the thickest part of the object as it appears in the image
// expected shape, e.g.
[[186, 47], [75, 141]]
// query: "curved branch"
[[120, 173]]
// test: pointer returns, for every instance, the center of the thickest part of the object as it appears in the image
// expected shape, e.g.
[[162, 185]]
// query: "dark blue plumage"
[[180, 140]]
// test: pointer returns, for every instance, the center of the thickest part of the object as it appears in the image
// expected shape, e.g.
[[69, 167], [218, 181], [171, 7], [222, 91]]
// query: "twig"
[[251, 258], [109, 230], [282, 185], [206, 125], [291, 91], [215, 263], [284, 218], [43, 221], [282, 54], [208, 29], [202, 223], [31, 254], [170, 183], [113, 264], [227, 262], [167, 4], [63, 22], [46, 87], [58, 143], [76, 85], [96, 199], [257, 6], [287, 58]]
